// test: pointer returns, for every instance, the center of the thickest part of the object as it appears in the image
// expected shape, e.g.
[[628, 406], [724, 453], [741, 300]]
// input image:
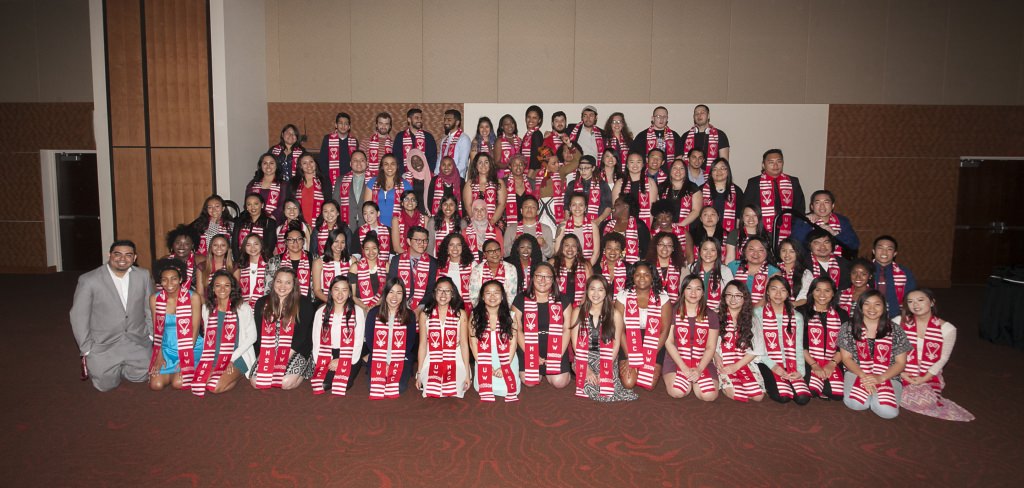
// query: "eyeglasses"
[[420, 239], [733, 296], [293, 240], [443, 291], [543, 277], [490, 251]]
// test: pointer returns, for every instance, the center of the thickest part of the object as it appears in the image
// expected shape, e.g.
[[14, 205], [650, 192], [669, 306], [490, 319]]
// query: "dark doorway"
[[989, 224], [78, 208]]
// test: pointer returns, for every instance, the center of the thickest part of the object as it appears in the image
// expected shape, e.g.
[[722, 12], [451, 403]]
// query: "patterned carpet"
[[58, 431]]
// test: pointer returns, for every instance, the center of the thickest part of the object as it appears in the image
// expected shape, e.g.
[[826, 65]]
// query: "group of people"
[[580, 256]]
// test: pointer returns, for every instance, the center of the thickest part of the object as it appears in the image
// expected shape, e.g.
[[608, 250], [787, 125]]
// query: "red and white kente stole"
[[712, 152], [503, 347], [406, 222], [557, 193], [579, 279], [407, 142], [822, 346], [632, 251], [321, 236], [767, 201], [832, 266], [780, 342], [318, 196], [512, 199], [509, 148], [215, 359], [442, 343], [846, 300], [345, 331], [616, 276], [920, 360], [253, 291], [899, 281], [376, 148], [328, 272], [712, 288], [729, 221], [643, 196], [489, 195], [585, 232], [272, 197], [182, 327], [344, 196], [470, 233], [669, 141], [874, 360], [296, 152], [531, 337], [619, 144], [606, 362], [691, 344], [758, 284], [388, 360], [447, 226], [462, 280], [685, 206], [670, 276], [440, 187], [744, 384], [415, 279], [303, 272], [833, 222], [598, 137], [246, 228], [365, 288], [593, 196], [526, 146], [642, 338], [448, 144], [281, 246], [383, 235], [334, 154], [275, 347]]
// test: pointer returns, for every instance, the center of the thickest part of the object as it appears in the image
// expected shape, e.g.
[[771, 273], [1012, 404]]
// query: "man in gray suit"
[[355, 198], [111, 320]]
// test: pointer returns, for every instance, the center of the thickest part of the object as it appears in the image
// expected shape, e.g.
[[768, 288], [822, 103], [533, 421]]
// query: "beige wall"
[[45, 51], [646, 51]]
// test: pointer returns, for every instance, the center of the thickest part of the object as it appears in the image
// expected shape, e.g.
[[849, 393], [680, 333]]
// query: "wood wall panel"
[[124, 74], [131, 199], [178, 73], [181, 182], [21, 188], [317, 119], [29, 127]]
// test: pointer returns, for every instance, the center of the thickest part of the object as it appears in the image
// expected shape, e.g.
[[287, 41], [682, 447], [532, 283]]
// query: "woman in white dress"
[[443, 352]]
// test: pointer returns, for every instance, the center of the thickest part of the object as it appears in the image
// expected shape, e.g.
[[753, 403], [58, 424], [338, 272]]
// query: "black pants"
[[827, 391], [772, 388]]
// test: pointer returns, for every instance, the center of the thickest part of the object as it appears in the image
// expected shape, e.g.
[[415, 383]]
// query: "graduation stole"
[[712, 291], [832, 266], [273, 198], [440, 233], [554, 141], [485, 371], [691, 344], [303, 271], [449, 142], [512, 199], [383, 235], [729, 212], [365, 288], [318, 196], [462, 280], [642, 339], [328, 271], [487, 275], [607, 355], [376, 148], [439, 187], [643, 196], [619, 144], [712, 154], [182, 327], [386, 370], [846, 299], [685, 205], [874, 356], [744, 384], [557, 192], [670, 279], [421, 273], [598, 137], [531, 331], [632, 238], [899, 280], [670, 143], [344, 195], [471, 237], [296, 152], [321, 236], [334, 154], [406, 222], [593, 195], [378, 187], [246, 227], [580, 278], [409, 138], [780, 342], [526, 145], [822, 346], [833, 222], [509, 148], [615, 276], [920, 360], [346, 346], [768, 198], [215, 360], [586, 234], [489, 196], [273, 360], [760, 284], [282, 229], [259, 288], [442, 342]]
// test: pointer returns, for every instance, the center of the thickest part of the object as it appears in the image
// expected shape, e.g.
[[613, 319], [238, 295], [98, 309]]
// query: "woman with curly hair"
[[176, 324], [739, 344], [647, 315], [228, 353]]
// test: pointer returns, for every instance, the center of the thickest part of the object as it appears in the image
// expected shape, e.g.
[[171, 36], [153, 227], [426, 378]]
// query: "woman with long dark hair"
[[543, 316], [861, 279], [712, 272], [493, 344], [292, 218], [691, 344], [443, 223], [579, 225], [754, 269], [338, 340], [296, 258], [782, 365], [367, 275], [612, 167], [212, 220], [444, 350], [255, 221], [329, 220], [310, 187], [749, 225], [333, 261], [456, 262], [740, 342], [507, 144], [267, 183], [176, 324], [647, 315], [285, 339], [485, 139], [669, 262], [525, 255], [392, 341], [791, 261], [482, 183], [386, 189], [618, 137], [720, 193], [596, 335], [407, 217], [518, 185], [824, 320], [571, 269], [636, 182], [228, 353], [874, 351], [251, 272], [287, 152], [371, 215], [219, 257]]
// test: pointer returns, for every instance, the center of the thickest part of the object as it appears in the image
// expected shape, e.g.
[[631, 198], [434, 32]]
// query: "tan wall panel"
[[846, 51], [698, 34], [387, 51], [915, 51], [313, 44], [460, 50], [273, 50], [124, 74], [768, 52], [22, 83], [181, 183], [21, 188], [131, 200], [535, 50], [22, 258], [984, 52], [178, 73], [613, 68]]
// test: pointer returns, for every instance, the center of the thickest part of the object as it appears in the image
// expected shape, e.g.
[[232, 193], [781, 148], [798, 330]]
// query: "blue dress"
[[498, 384], [386, 200], [169, 346]]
